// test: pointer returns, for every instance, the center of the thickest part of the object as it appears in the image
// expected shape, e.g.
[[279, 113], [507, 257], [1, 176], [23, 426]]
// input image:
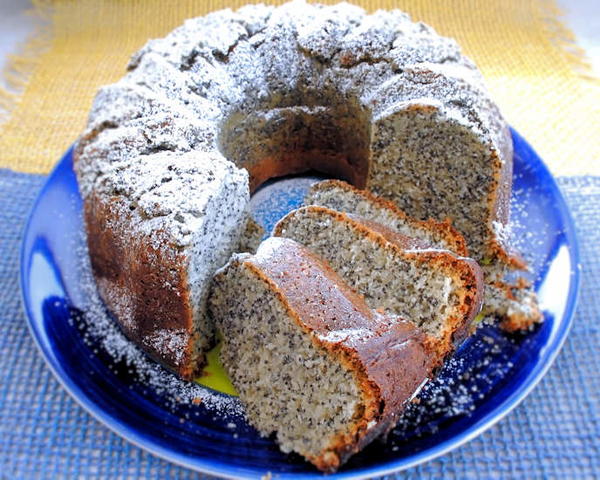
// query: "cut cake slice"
[[438, 291], [515, 305], [313, 364]]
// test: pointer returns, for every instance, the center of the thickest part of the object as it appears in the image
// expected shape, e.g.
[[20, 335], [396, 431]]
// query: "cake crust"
[[388, 358], [443, 232], [464, 272], [141, 283]]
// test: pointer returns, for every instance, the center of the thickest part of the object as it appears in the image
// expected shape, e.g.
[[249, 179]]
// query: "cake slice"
[[343, 197], [436, 290], [515, 305], [313, 364]]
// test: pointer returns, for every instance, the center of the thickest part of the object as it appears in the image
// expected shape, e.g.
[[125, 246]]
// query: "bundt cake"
[[376, 100], [434, 289], [311, 362], [514, 304]]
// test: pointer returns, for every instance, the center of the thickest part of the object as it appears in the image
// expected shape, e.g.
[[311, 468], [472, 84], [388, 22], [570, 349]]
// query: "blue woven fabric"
[[554, 433]]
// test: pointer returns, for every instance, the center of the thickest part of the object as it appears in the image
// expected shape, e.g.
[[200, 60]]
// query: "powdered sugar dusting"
[[172, 341], [100, 330], [230, 62], [262, 58], [463, 384], [346, 335]]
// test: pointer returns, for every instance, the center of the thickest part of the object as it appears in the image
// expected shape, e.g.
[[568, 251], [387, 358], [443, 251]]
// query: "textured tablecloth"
[[554, 433], [529, 59]]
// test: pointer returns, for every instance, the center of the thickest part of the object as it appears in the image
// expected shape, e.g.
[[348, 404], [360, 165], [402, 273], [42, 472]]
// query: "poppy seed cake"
[[343, 197], [311, 362], [376, 99], [435, 289], [514, 305]]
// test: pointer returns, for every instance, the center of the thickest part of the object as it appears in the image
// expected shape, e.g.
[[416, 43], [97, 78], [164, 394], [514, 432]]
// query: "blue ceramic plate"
[[502, 369]]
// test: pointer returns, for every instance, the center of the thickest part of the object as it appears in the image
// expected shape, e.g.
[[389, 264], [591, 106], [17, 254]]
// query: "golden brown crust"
[[140, 284], [332, 139], [464, 271], [443, 229], [471, 275], [389, 364]]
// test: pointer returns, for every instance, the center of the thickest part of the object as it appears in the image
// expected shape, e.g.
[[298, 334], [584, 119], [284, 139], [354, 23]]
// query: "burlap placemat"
[[528, 57]]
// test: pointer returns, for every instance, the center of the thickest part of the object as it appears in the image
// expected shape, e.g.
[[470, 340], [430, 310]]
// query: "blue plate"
[[502, 369]]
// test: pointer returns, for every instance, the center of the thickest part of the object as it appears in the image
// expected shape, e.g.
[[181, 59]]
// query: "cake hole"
[[276, 197], [275, 142]]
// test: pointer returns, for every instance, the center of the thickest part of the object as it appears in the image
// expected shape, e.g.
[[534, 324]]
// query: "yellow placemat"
[[528, 57]]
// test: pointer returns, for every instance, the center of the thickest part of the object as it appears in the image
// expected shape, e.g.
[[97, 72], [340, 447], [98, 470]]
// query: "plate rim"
[[223, 470]]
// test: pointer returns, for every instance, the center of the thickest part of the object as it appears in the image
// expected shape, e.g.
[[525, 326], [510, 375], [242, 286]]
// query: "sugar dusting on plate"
[[462, 385], [99, 330]]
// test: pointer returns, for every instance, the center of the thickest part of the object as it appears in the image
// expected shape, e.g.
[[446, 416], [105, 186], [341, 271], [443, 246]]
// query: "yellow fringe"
[[566, 41], [537, 74], [19, 68]]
